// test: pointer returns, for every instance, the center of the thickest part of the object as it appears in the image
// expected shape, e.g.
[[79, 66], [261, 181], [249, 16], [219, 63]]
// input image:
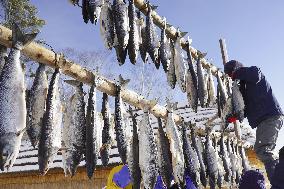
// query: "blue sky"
[[254, 30]]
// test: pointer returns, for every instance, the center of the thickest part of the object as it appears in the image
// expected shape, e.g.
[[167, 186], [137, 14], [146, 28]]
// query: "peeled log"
[[45, 56]]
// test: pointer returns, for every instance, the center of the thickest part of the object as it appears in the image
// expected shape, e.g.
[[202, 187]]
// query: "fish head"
[[7, 149]]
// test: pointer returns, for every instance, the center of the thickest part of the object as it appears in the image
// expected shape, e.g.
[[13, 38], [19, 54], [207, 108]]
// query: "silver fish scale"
[[164, 155], [238, 102], [225, 158], [171, 76], [36, 100], [210, 88], [85, 13], [106, 138], [175, 146], [199, 155], [211, 161], [91, 129], [50, 135], [94, 9], [245, 162], [142, 46], [120, 15], [191, 159], [202, 92], [133, 43], [164, 50], [134, 164], [191, 83], [180, 65], [120, 127], [239, 163], [75, 142], [12, 117], [223, 94], [13, 108], [152, 44], [232, 161], [147, 152], [221, 171], [107, 24], [3, 56]]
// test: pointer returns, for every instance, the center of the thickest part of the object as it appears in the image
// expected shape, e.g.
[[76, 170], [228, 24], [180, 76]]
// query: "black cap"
[[231, 66]]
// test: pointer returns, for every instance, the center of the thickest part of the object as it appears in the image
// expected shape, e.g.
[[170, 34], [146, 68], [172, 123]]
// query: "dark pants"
[[266, 137]]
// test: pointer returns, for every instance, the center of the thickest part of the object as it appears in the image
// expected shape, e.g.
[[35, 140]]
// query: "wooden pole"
[[224, 51], [225, 60], [40, 54], [171, 33]]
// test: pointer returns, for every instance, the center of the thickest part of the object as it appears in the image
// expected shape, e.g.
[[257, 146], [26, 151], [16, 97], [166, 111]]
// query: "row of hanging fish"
[[124, 29], [40, 112], [177, 152]]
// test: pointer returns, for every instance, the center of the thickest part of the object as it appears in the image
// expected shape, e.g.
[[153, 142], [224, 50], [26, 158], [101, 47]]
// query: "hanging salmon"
[[191, 80], [179, 62], [133, 160], [107, 24], [74, 135], [225, 158], [147, 150], [190, 156], [94, 10], [121, 23], [210, 88], [175, 146], [211, 160], [133, 42], [3, 56], [143, 39], [198, 149], [120, 125], [164, 49], [50, 134], [106, 135], [13, 100], [171, 74], [37, 98], [238, 102], [202, 92], [164, 155], [152, 42]]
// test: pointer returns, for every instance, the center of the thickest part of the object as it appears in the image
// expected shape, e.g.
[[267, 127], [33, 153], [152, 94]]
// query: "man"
[[277, 179], [262, 110]]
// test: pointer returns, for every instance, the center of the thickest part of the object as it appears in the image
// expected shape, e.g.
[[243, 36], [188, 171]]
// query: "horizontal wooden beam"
[[45, 56], [171, 33]]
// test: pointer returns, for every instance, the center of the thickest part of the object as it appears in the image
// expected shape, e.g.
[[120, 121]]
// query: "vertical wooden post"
[[224, 51], [225, 59]]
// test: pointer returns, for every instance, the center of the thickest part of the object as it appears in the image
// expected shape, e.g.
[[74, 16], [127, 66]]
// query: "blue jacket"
[[258, 96], [277, 179]]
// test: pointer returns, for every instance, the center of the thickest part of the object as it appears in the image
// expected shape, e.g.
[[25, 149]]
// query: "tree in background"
[[24, 14], [21, 12]]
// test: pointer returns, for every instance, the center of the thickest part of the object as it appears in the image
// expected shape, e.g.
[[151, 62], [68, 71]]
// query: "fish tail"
[[123, 82], [19, 39]]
